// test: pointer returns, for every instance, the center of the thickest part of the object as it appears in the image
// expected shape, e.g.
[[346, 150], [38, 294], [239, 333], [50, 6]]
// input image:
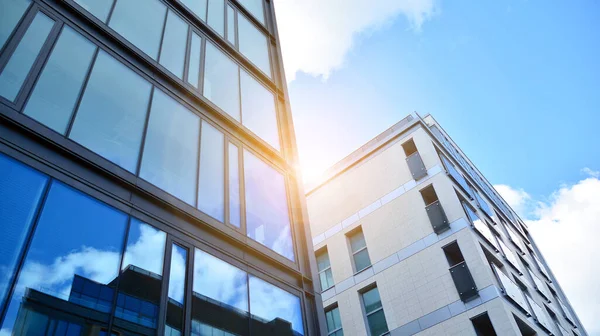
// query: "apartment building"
[[147, 172], [411, 239]]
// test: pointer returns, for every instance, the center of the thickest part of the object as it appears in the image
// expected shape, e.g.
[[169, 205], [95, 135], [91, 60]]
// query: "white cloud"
[[518, 199], [316, 34], [565, 229]]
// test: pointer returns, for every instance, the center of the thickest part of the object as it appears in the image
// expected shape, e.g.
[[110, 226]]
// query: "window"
[[456, 176], [141, 24], [12, 12], [21, 190], [267, 214], [453, 254], [111, 116], [17, 69], [52, 103], [221, 78], [211, 183], [324, 267], [216, 16], [193, 76], [429, 195], [172, 52], [409, 147], [198, 7], [81, 266], [480, 226], [358, 246], [235, 207], [176, 294], [258, 110], [231, 25], [253, 44], [374, 311], [270, 302], [170, 157], [255, 7], [334, 322], [483, 325], [414, 161], [524, 328], [98, 8], [461, 275], [435, 211]]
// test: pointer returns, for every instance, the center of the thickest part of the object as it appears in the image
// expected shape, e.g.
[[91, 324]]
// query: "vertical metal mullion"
[[23, 252], [17, 35], [201, 73], [236, 39], [111, 11], [88, 74], [198, 162], [186, 61], [162, 310], [116, 295], [145, 132], [226, 181], [239, 83], [13, 34], [187, 318], [162, 37]]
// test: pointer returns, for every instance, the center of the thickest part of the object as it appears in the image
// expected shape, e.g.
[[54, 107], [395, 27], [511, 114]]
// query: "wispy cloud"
[[316, 35]]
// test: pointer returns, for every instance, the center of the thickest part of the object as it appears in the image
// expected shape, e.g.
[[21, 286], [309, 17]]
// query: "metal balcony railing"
[[437, 217], [416, 166], [463, 281]]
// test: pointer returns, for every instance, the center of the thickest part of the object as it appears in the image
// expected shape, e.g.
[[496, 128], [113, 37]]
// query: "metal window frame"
[[329, 309], [364, 309]]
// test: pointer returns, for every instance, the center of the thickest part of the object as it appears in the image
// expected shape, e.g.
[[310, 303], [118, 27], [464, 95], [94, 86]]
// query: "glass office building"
[[147, 180]]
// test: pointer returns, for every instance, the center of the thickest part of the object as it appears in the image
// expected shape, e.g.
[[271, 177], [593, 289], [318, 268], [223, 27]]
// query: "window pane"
[[194, 67], [361, 260], [20, 192], [56, 91], [377, 323], [235, 209], [16, 70], [258, 110], [197, 6], [140, 22], [216, 16], [211, 186], [267, 216], [371, 300], [230, 25], [74, 255], [170, 158], [221, 78], [333, 319], [255, 7], [11, 12], [326, 279], [270, 302], [176, 302], [253, 44], [141, 275], [323, 261], [111, 116], [357, 241], [98, 8], [172, 53]]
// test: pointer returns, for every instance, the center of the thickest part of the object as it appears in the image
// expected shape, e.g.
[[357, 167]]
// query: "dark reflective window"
[[20, 192], [334, 322], [258, 110], [172, 52], [140, 22], [216, 16], [111, 116], [211, 184], [176, 294], [220, 297], [255, 7], [10, 14], [374, 310], [98, 8], [16, 70], [253, 44], [198, 7], [57, 90], [267, 217], [221, 78], [72, 261], [235, 207], [194, 66], [141, 275], [278, 309], [170, 158]]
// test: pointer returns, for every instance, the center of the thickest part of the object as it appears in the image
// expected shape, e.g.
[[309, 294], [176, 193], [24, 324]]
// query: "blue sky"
[[515, 83]]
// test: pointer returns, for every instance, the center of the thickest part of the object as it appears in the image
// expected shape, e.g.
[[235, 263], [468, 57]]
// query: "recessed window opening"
[[429, 195], [483, 325], [409, 147], [524, 328], [453, 254]]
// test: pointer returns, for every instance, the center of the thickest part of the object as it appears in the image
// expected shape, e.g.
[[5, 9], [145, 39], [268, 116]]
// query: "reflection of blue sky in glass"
[[220, 281], [20, 191], [267, 216], [269, 302], [211, 184], [177, 273], [12, 11], [145, 247], [74, 235]]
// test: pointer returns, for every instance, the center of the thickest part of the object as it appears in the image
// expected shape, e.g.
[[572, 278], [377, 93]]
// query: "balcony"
[[511, 289], [463, 281], [416, 166], [437, 217]]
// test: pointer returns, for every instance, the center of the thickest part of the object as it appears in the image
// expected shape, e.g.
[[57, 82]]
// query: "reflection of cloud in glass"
[[220, 281], [269, 302], [177, 274], [145, 247]]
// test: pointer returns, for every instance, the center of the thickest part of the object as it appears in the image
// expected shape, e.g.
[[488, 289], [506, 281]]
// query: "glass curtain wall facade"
[[146, 172]]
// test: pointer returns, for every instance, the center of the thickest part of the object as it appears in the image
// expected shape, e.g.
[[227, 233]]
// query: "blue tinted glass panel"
[[98, 8], [253, 44], [20, 193], [216, 16], [258, 110], [170, 158], [194, 67], [110, 119], [220, 281], [267, 217], [11, 11], [221, 78], [172, 53], [16, 70], [230, 25], [255, 7], [140, 22], [198, 7], [270, 302], [371, 300], [175, 306], [56, 91], [74, 254], [234, 186], [211, 185]]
